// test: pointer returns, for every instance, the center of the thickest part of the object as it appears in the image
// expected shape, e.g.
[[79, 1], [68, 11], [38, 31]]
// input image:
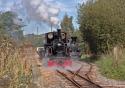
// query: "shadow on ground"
[[89, 59]]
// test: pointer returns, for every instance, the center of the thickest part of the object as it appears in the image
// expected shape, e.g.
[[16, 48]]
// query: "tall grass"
[[111, 65], [10, 66], [111, 68]]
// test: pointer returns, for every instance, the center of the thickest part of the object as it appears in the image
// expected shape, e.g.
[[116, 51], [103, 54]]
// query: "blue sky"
[[65, 6]]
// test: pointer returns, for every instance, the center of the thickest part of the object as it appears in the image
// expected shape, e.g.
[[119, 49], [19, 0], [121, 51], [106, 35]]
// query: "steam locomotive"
[[56, 44], [59, 49]]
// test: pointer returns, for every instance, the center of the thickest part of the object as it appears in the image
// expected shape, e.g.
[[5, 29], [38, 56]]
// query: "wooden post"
[[115, 54]]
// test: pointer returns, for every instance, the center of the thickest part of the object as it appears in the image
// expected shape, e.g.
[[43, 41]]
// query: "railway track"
[[77, 80]]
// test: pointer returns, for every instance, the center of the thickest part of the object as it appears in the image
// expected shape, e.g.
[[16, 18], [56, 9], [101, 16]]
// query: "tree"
[[67, 24], [102, 22], [10, 25], [6, 21], [78, 34]]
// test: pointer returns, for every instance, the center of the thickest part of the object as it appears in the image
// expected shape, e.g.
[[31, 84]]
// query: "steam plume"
[[39, 10]]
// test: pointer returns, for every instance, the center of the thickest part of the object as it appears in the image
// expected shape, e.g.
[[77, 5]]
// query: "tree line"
[[102, 24]]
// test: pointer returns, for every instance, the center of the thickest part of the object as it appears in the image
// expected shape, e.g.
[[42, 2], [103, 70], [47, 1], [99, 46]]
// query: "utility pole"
[[37, 31], [51, 27]]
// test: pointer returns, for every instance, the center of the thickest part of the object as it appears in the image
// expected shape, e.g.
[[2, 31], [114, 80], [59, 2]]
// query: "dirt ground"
[[94, 75], [48, 78], [42, 76]]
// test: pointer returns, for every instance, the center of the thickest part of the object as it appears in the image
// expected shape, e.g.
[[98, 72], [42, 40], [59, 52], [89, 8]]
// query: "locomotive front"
[[56, 44], [56, 48]]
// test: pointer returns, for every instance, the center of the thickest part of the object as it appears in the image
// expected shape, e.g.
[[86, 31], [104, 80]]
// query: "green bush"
[[107, 68]]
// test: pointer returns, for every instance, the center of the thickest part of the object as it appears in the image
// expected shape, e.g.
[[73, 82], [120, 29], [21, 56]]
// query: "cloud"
[[82, 1], [53, 10], [54, 20], [63, 7], [48, 1], [39, 10]]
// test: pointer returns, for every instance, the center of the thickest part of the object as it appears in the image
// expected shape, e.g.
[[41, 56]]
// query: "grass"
[[11, 67], [108, 66], [89, 58], [109, 69]]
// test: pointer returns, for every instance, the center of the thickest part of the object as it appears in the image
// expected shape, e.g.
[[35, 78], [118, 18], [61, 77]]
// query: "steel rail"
[[85, 79], [71, 80]]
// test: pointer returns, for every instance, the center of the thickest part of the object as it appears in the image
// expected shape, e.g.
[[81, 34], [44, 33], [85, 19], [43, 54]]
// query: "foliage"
[[38, 42], [102, 22], [10, 66], [35, 40], [6, 21], [106, 67], [8, 27], [67, 24], [78, 34], [12, 72]]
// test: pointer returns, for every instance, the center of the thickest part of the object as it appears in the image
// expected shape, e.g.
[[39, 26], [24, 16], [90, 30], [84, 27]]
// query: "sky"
[[41, 13]]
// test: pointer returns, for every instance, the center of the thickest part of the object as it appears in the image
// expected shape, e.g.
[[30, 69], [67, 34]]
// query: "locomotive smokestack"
[[59, 33]]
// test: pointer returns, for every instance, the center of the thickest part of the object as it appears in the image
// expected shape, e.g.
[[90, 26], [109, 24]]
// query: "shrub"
[[10, 66], [108, 68]]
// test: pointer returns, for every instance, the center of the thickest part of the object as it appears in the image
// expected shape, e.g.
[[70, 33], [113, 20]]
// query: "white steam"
[[39, 10], [54, 20]]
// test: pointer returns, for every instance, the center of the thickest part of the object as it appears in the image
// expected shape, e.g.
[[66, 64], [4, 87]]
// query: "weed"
[[105, 64], [12, 72]]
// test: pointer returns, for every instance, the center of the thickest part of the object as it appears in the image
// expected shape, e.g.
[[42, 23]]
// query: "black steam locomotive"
[[57, 49], [56, 44]]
